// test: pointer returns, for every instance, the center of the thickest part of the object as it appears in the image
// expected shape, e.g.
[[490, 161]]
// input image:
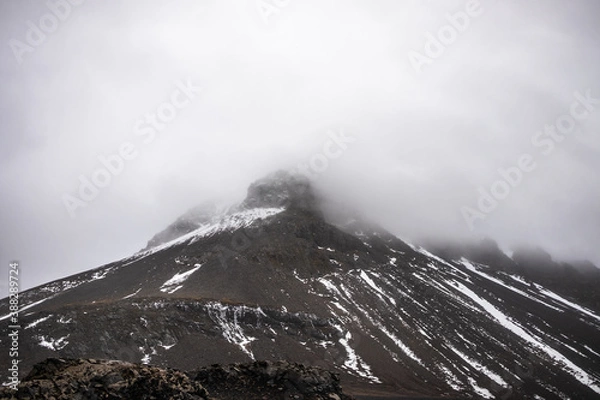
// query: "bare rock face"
[[97, 379], [59, 379], [281, 189], [270, 380]]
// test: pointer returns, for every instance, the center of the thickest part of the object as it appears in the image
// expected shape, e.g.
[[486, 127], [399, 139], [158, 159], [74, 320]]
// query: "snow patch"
[[354, 362], [232, 331], [335, 262], [174, 284], [53, 344]]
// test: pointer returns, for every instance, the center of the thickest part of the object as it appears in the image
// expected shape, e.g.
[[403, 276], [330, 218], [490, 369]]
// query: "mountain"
[[281, 277]]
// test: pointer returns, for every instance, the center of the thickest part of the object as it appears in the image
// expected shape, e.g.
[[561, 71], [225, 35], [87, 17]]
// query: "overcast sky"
[[426, 114]]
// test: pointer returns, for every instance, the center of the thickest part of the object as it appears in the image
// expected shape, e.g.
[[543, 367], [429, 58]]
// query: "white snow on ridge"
[[519, 279], [174, 284], [101, 274], [433, 256], [237, 220]]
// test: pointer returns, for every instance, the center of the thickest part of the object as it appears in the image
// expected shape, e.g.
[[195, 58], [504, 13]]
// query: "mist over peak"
[[281, 189], [180, 103]]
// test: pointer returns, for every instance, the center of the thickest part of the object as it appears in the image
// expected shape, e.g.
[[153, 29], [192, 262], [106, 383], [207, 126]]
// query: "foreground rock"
[[267, 380], [59, 379]]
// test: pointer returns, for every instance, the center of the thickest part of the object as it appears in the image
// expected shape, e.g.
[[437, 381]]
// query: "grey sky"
[[273, 86]]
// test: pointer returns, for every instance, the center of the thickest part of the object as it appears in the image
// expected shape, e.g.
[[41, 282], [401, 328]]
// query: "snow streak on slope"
[[354, 362], [375, 312], [408, 308], [473, 269], [176, 282], [573, 369], [28, 306], [37, 322], [230, 327], [564, 301]]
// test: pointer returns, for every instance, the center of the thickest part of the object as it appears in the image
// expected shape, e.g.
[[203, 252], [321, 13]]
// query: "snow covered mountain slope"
[[272, 279]]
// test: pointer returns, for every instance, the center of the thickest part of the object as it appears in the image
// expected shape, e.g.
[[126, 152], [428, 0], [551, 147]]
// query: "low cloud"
[[273, 88]]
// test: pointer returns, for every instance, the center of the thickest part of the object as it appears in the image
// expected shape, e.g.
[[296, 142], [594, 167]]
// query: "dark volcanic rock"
[[281, 189], [58, 379], [270, 380], [485, 251], [578, 280], [97, 379]]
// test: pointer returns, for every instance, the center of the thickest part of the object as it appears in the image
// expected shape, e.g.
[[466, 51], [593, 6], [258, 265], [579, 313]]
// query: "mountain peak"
[[281, 189]]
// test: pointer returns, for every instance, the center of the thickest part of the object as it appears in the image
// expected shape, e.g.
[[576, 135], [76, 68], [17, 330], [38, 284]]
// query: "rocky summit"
[[280, 276]]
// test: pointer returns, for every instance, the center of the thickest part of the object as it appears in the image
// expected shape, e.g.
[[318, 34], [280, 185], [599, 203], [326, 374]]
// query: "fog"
[[426, 100]]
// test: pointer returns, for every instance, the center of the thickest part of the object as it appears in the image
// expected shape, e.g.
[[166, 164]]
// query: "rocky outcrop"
[[270, 380], [67, 379], [282, 189], [59, 379]]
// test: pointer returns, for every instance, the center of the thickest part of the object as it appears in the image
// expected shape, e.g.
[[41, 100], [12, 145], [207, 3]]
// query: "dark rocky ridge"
[[578, 279], [185, 224], [73, 379], [282, 189], [485, 252]]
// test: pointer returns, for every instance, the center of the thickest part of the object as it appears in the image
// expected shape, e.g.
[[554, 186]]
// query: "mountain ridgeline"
[[276, 277]]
